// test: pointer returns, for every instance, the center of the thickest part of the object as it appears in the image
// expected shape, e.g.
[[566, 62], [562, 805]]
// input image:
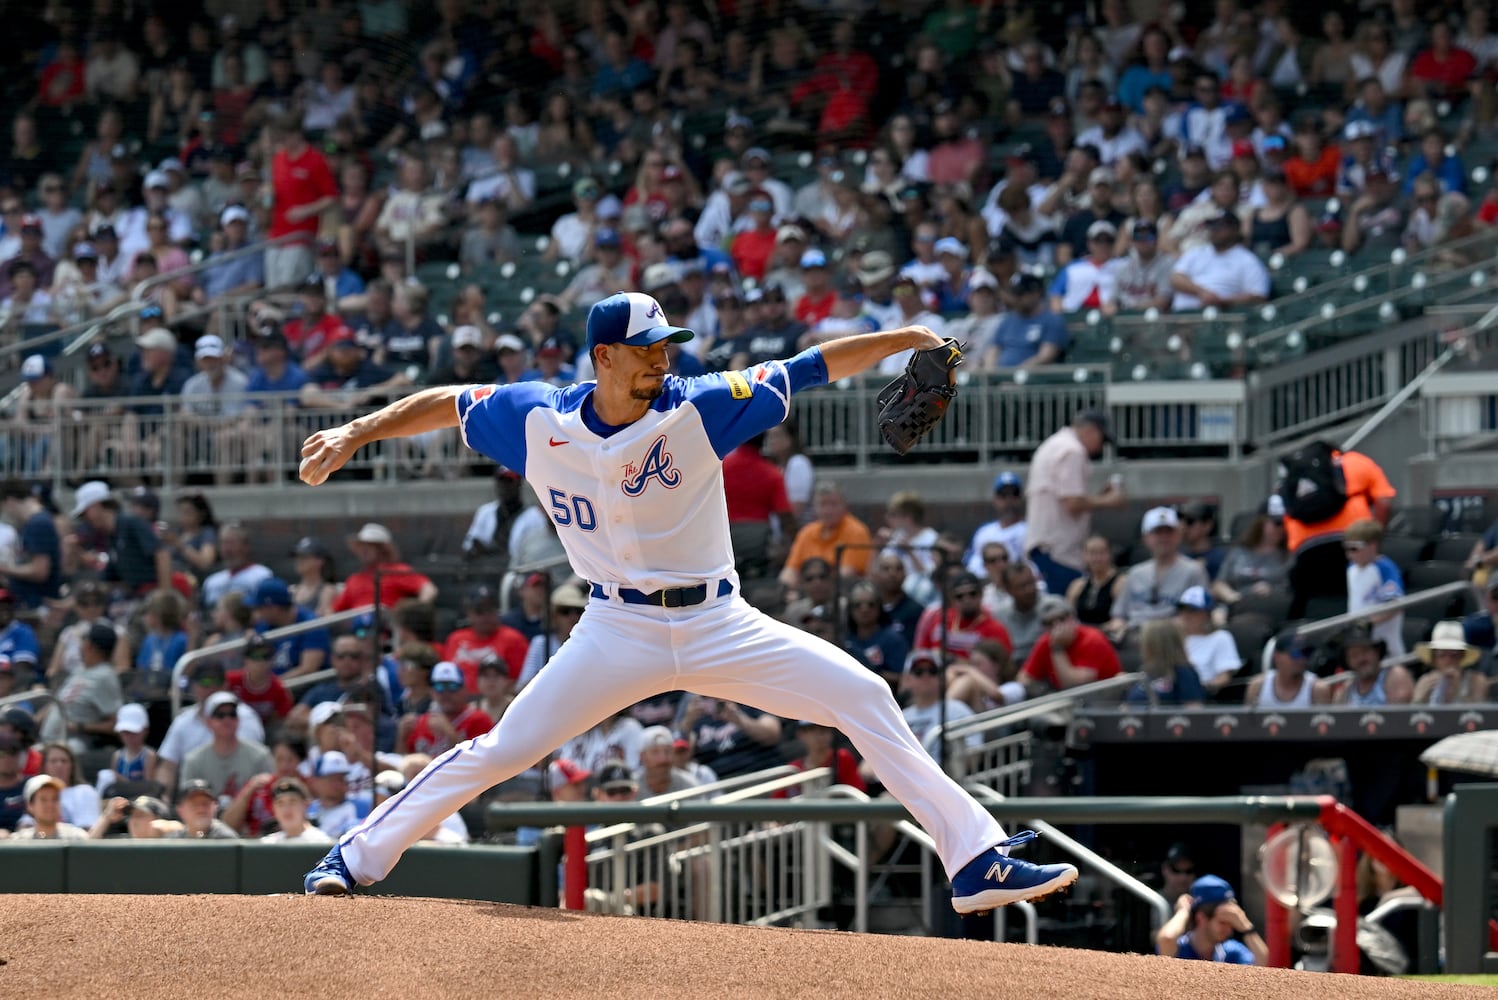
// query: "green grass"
[[1460, 980]]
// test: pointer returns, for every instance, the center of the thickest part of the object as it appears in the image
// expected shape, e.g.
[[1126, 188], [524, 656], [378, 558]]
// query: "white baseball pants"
[[619, 654]]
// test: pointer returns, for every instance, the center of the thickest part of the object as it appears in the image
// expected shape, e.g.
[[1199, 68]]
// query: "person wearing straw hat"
[[1451, 680]]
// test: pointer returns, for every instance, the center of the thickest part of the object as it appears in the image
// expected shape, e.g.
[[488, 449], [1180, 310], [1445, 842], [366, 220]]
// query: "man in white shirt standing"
[[1060, 503], [1224, 274]]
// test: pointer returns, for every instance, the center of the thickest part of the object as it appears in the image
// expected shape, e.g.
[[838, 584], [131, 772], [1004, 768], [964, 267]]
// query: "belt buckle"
[[662, 595]]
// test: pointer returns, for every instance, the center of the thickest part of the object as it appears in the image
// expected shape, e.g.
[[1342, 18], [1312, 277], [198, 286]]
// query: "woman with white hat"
[[1451, 680]]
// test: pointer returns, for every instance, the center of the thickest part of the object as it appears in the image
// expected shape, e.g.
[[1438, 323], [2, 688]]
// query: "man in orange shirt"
[[833, 527], [1319, 568]]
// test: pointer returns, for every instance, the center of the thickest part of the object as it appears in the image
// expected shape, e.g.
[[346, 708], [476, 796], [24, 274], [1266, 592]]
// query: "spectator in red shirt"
[[817, 739], [1312, 171], [484, 639], [374, 547], [257, 685], [839, 68], [303, 186], [451, 718], [753, 484], [816, 302], [966, 621], [1067, 653], [314, 331], [751, 249], [1441, 71]]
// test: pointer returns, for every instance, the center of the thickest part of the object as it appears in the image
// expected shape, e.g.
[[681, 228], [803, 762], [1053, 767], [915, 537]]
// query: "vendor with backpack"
[[1324, 491]]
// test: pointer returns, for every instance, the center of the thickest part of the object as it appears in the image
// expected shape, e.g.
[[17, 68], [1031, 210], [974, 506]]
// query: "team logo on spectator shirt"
[[656, 465]]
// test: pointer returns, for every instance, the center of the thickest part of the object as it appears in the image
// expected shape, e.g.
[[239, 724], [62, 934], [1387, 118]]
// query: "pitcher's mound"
[[259, 947]]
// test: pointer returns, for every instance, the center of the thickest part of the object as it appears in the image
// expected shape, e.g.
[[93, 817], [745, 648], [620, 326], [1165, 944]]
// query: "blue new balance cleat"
[[991, 879], [330, 877]]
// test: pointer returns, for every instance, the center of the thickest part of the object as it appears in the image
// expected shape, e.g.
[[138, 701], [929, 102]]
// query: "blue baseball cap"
[[606, 238], [1008, 480], [1211, 889], [270, 593], [633, 319]]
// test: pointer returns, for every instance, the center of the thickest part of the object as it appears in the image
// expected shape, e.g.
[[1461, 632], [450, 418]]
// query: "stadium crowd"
[[978, 169]]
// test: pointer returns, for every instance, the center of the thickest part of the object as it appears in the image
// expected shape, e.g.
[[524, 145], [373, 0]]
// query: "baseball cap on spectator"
[[1157, 518], [234, 213], [568, 596], [468, 336], [156, 179], [615, 777], [149, 804], [1145, 230], [85, 251], [332, 764], [322, 713], [875, 267], [1111, 103], [99, 350], [736, 183], [88, 494], [508, 342], [656, 736], [103, 638], [658, 276], [131, 718], [586, 187], [1380, 169], [309, 546], [270, 593], [790, 233], [606, 239], [633, 319], [1195, 598], [1329, 222], [246, 169], [1008, 481], [535, 580], [671, 173], [375, 534], [737, 120], [35, 367], [1053, 608], [982, 279], [919, 656], [1236, 113], [483, 596], [31, 223], [680, 742], [1024, 282], [1102, 228], [1210, 889], [1180, 53], [290, 786], [1272, 144], [1101, 175], [550, 347], [218, 700], [755, 155], [753, 295], [1244, 148], [208, 346], [813, 258], [1290, 641], [951, 245], [1058, 108], [387, 783], [158, 338], [760, 201], [145, 501], [258, 647], [1021, 154], [208, 672], [152, 310], [565, 772], [37, 782], [446, 674], [1360, 129]]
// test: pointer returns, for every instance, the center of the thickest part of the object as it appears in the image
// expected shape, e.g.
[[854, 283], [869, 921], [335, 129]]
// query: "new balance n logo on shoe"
[[998, 871]]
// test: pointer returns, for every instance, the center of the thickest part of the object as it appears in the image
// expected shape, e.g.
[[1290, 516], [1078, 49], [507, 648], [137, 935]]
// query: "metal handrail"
[[1398, 604], [750, 780], [1006, 715], [84, 327], [138, 293], [24, 696], [1095, 862], [179, 670]]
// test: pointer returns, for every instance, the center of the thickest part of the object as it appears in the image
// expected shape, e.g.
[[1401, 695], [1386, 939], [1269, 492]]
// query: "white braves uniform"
[[641, 508]]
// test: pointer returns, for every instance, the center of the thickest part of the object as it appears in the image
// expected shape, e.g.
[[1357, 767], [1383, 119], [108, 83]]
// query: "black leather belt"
[[675, 597]]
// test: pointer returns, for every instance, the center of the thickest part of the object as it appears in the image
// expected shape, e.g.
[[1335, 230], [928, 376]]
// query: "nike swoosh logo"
[[555, 443]]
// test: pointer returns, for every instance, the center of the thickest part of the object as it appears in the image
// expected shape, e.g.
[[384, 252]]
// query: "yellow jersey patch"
[[738, 385]]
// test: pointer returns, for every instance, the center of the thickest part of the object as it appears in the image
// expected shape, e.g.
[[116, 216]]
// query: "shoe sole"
[[329, 887], [992, 899]]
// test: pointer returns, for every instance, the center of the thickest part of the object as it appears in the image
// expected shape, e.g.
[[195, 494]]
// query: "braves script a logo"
[[654, 312], [657, 465]]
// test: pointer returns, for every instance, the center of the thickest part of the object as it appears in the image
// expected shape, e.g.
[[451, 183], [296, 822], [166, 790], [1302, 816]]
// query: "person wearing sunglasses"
[[1068, 653], [452, 717], [964, 623], [192, 728], [567, 606], [1373, 579], [226, 762], [1152, 588]]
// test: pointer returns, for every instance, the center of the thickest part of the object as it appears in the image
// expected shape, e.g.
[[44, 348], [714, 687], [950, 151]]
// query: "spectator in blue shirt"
[[1434, 160], [1030, 334], [1204, 925], [339, 281], [622, 73], [303, 653], [159, 373], [240, 274], [165, 640], [36, 572], [17, 640], [1153, 71], [274, 370]]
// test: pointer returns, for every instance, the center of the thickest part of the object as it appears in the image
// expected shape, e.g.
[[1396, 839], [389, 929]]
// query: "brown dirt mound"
[[293, 946]]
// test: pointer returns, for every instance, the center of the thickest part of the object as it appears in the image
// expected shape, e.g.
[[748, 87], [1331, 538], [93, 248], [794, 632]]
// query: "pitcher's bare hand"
[[324, 453]]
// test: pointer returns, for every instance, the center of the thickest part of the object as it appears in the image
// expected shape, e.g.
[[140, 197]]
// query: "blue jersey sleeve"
[[735, 406], [492, 418]]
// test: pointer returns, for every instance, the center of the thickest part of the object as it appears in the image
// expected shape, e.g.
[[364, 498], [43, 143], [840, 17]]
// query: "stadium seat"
[[1433, 573], [1320, 608], [1250, 633], [1405, 550], [1415, 629], [1273, 607], [1453, 548], [1419, 522]]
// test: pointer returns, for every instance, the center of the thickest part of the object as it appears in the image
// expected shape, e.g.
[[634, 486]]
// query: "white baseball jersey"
[[642, 505]]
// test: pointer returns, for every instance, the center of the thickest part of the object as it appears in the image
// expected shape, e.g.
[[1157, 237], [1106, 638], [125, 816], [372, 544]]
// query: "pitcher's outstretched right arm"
[[326, 451]]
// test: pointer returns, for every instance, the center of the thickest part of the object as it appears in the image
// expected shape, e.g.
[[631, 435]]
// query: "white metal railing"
[[1332, 624], [744, 873], [141, 292], [188, 660]]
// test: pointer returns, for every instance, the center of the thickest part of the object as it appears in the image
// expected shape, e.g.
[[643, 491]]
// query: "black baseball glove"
[[916, 401]]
